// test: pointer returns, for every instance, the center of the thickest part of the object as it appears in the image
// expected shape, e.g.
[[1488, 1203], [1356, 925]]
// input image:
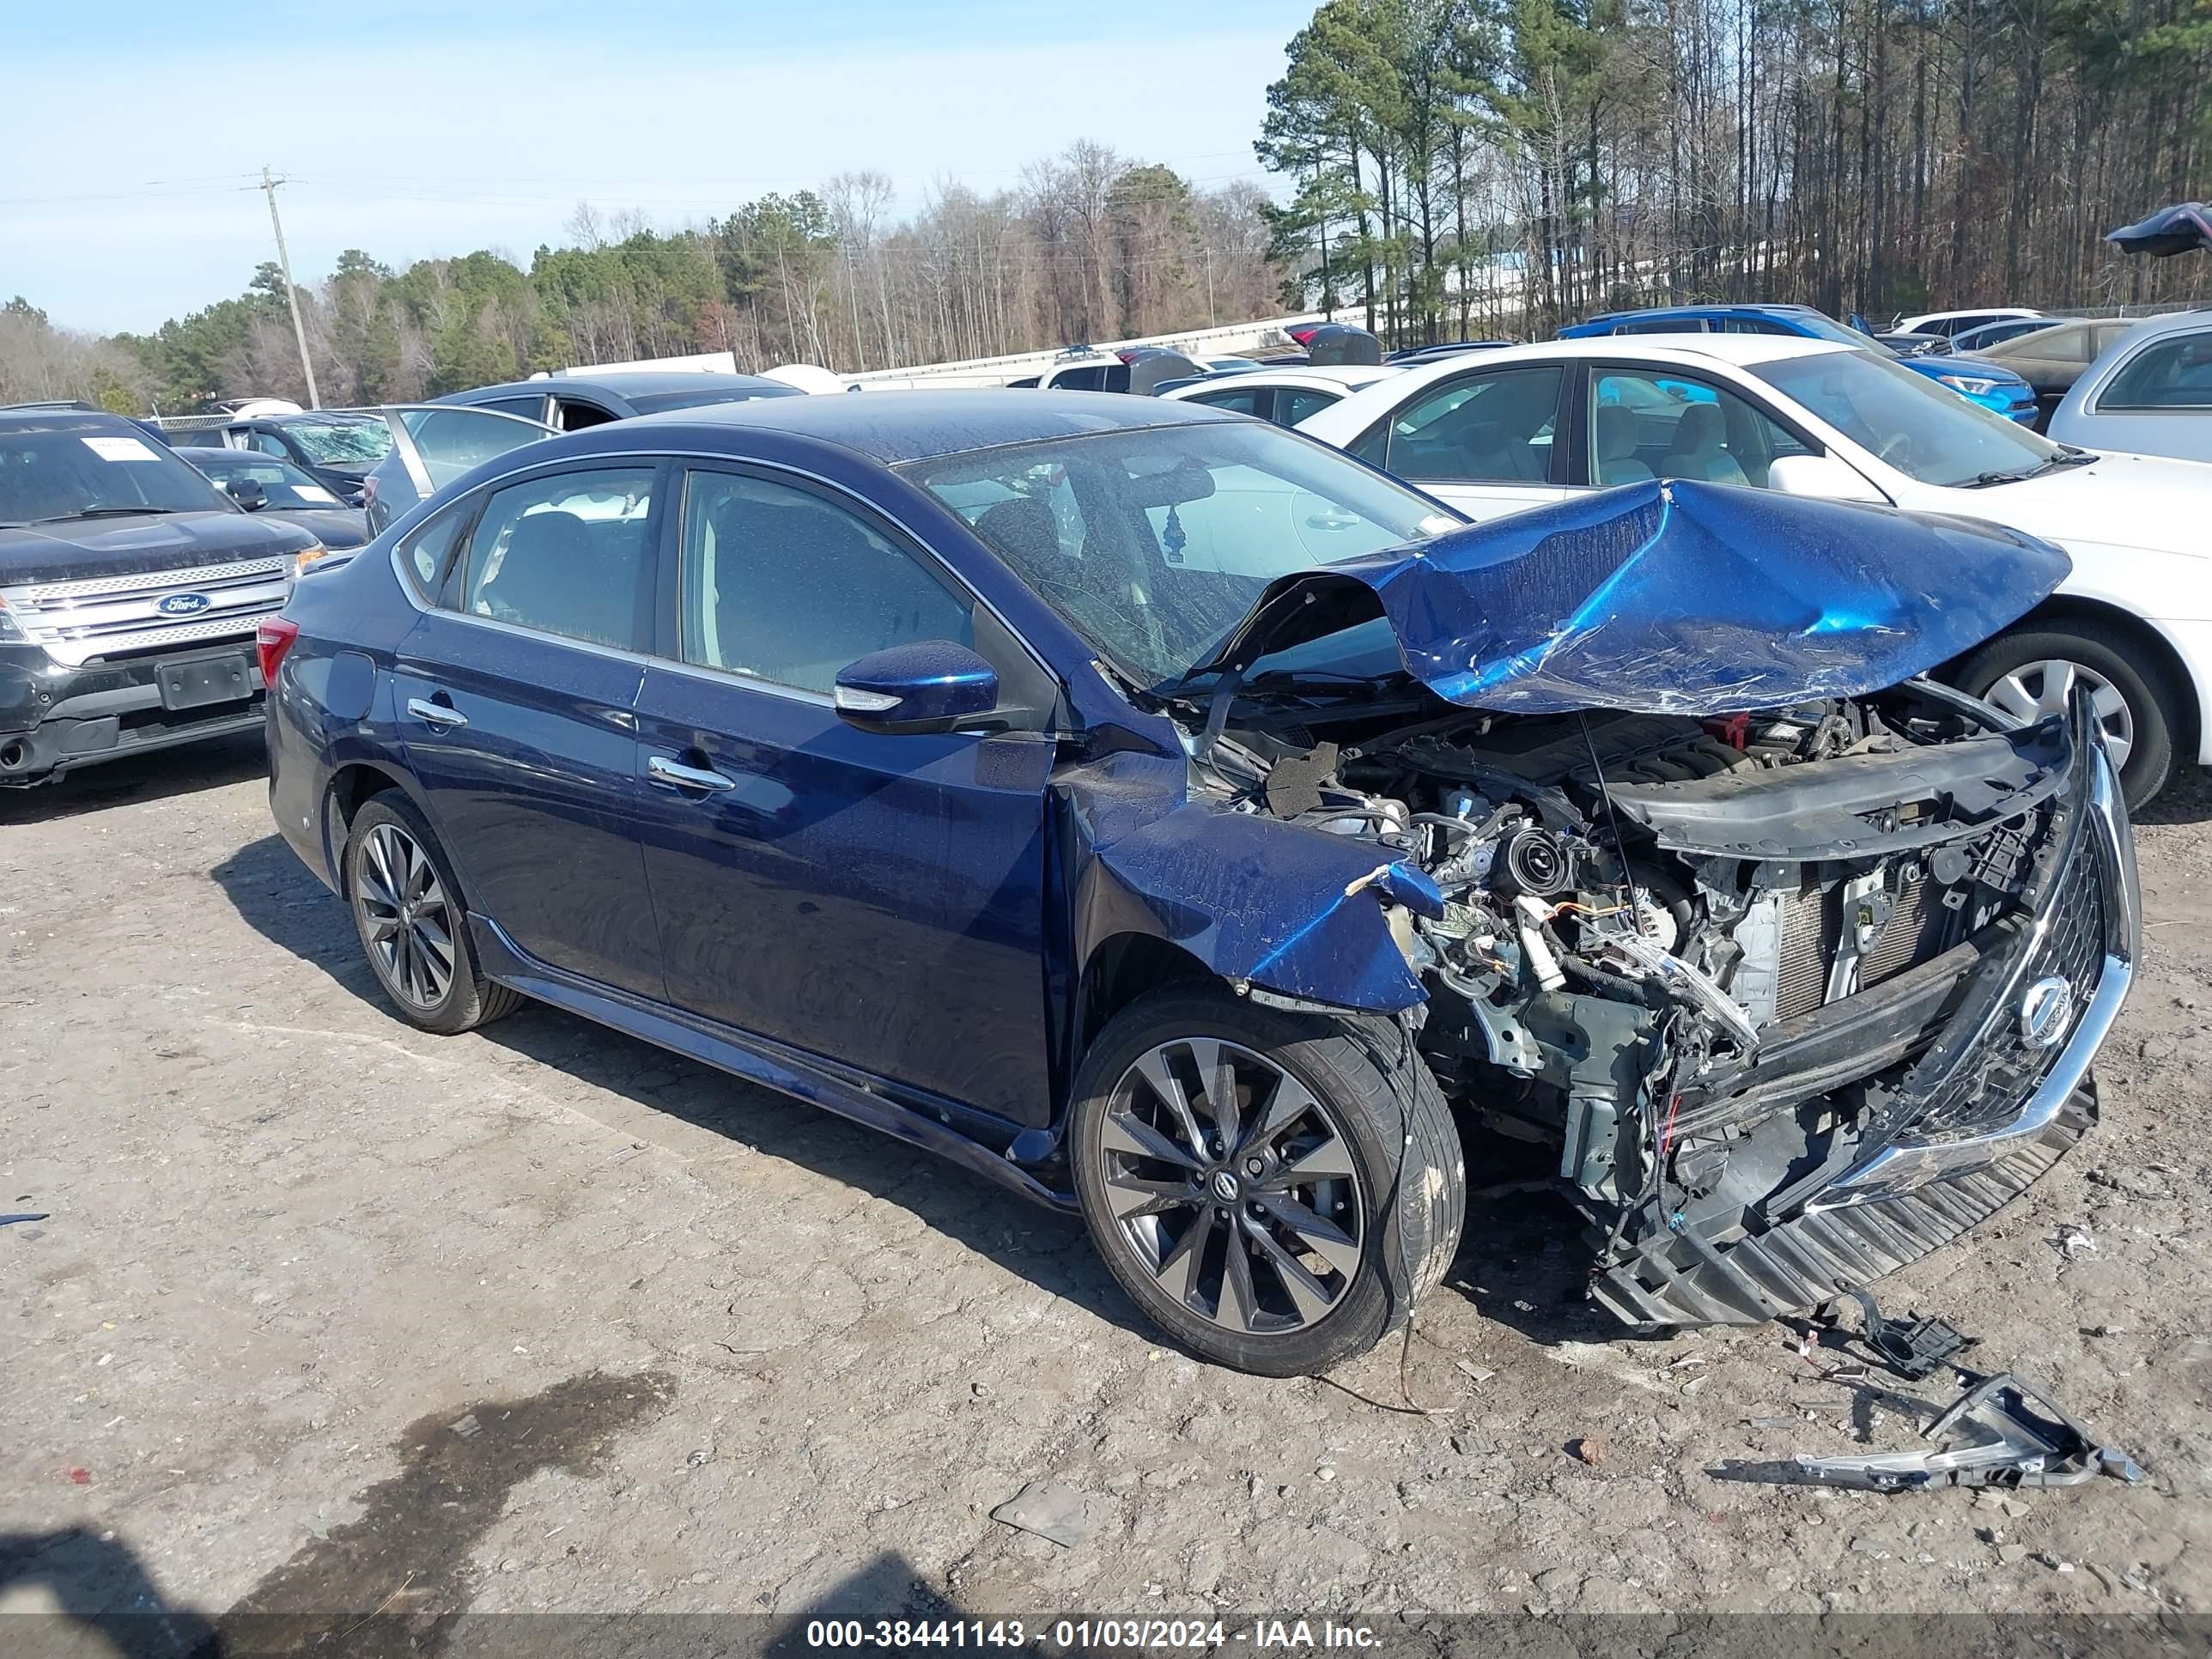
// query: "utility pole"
[[853, 293], [1211, 320], [291, 298]]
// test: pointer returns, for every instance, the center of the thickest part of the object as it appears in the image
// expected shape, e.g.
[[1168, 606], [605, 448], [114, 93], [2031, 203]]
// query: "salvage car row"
[[1182, 821]]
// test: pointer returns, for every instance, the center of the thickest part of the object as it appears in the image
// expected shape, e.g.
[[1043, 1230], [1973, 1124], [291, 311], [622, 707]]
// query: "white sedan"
[[1508, 429], [1288, 395]]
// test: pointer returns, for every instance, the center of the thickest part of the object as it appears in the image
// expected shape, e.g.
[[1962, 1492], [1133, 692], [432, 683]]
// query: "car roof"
[[50, 418], [1688, 349], [626, 383], [894, 426], [1347, 376], [1994, 314], [2164, 323], [311, 418], [1737, 308]]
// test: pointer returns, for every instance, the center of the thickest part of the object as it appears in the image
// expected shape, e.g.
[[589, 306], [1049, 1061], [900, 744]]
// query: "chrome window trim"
[[738, 677]]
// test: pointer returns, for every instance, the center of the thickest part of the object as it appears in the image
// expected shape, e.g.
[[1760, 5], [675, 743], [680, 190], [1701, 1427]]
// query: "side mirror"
[[930, 685], [1821, 476], [248, 494]]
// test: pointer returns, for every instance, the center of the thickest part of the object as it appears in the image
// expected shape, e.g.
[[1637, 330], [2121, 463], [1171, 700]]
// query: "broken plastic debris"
[[2002, 1432], [2075, 1242], [1913, 1347]]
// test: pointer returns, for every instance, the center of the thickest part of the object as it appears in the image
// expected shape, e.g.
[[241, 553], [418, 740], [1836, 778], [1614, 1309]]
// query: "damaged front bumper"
[[2001, 1091]]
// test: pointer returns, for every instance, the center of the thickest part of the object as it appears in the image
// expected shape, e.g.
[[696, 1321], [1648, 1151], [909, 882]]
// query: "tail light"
[[272, 640]]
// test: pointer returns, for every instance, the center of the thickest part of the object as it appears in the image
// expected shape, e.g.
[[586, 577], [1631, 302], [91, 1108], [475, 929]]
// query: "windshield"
[[1154, 544], [1819, 326], [51, 473], [1924, 431], [653, 402], [342, 443], [281, 483]]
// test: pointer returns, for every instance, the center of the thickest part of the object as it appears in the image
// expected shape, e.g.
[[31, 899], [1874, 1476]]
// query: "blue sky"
[[132, 130]]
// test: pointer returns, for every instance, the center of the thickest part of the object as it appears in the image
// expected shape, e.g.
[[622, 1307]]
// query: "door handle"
[[674, 775], [436, 713]]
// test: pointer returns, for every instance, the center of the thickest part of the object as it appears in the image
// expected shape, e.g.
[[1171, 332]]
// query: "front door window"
[[1654, 425]]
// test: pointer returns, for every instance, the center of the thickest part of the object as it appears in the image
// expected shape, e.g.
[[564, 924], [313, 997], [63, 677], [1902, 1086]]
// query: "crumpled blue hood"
[[1673, 598]]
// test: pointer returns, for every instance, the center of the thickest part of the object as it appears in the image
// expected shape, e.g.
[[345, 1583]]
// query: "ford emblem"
[[184, 605], [2045, 1012]]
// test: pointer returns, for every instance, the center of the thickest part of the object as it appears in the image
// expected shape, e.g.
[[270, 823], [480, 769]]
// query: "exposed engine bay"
[[1716, 963]]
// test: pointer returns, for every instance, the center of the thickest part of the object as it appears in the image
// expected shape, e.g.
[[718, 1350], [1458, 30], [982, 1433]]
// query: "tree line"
[[1089, 245], [1458, 168]]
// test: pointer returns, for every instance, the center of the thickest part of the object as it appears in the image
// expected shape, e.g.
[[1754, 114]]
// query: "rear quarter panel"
[[331, 706]]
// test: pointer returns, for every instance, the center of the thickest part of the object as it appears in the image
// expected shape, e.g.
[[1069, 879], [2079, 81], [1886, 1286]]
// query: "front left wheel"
[[1276, 1191]]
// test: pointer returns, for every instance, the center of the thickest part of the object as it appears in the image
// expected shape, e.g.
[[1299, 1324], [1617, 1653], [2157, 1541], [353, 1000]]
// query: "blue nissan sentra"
[[1176, 823]]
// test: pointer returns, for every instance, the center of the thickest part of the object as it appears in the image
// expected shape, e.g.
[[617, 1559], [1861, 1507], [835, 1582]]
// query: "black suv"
[[129, 591]]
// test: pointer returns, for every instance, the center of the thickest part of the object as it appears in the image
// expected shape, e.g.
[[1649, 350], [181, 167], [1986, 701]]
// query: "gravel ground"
[[331, 1315]]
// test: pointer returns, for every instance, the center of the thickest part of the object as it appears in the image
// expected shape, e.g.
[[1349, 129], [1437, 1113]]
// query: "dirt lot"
[[331, 1315]]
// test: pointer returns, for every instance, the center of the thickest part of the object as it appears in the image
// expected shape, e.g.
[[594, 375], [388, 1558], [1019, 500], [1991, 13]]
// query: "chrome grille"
[[1986, 1092], [75, 622]]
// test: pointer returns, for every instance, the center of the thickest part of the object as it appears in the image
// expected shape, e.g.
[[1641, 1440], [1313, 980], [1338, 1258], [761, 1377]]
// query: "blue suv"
[[1177, 822], [1990, 385]]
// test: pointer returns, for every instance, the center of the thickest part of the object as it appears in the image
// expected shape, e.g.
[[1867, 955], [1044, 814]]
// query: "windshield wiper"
[[2069, 457], [105, 512]]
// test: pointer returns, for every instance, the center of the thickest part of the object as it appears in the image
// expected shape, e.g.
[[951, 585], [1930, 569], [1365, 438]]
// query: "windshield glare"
[[281, 483], [653, 403], [1906, 420], [48, 474], [1153, 545], [342, 443]]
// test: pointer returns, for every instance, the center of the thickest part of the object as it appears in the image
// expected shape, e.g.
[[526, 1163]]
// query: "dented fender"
[[1289, 908]]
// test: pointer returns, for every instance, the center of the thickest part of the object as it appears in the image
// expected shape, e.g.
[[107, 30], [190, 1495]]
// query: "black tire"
[[2154, 705], [1392, 1130], [461, 998]]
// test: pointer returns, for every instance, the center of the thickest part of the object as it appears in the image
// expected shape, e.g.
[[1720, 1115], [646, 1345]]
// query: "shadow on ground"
[[170, 772], [77, 1593], [2187, 800]]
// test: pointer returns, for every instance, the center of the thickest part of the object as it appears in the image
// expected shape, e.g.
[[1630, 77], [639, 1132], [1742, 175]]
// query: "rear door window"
[[2172, 374], [1291, 407], [571, 554], [1242, 399], [575, 414], [1480, 429]]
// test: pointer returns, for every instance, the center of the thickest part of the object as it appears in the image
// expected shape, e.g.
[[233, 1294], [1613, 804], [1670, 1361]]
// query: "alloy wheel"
[[2035, 691], [407, 924], [1234, 1185]]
